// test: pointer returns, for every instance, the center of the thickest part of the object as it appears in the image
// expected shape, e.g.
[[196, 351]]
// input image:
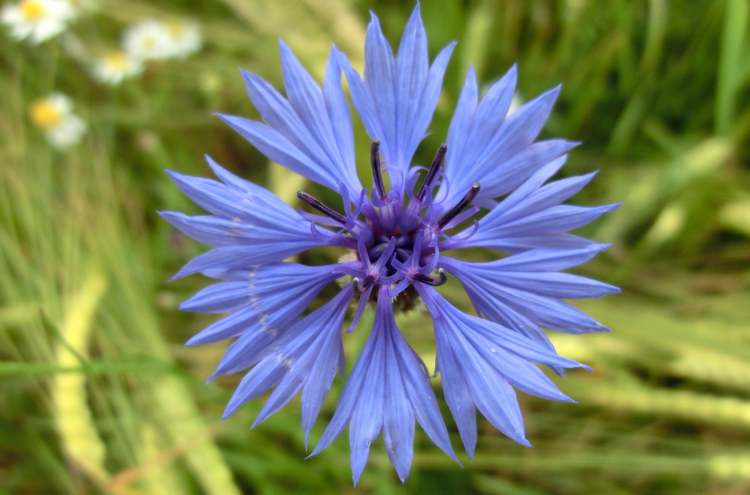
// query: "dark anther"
[[461, 206], [402, 254], [437, 163], [321, 207], [366, 283], [426, 279], [377, 173]]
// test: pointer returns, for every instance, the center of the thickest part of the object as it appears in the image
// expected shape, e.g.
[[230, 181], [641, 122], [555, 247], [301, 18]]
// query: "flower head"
[[54, 115], [37, 20], [184, 38], [156, 40], [115, 66], [487, 186], [146, 40]]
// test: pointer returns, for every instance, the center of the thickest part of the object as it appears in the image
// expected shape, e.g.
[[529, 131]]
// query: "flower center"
[[32, 10], [116, 60], [396, 234], [150, 42], [175, 29], [46, 114]]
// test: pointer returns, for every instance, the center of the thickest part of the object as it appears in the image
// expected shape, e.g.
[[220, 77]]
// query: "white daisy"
[[184, 38], [54, 115], [37, 20], [147, 40], [115, 66]]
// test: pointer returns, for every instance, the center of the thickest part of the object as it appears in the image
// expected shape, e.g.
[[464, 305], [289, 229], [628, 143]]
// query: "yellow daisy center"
[[117, 59], [46, 114], [175, 29], [32, 10], [150, 42]]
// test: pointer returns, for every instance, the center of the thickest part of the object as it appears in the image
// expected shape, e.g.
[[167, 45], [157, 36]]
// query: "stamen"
[[366, 283], [437, 163], [377, 173], [426, 279], [461, 206], [321, 207], [462, 217]]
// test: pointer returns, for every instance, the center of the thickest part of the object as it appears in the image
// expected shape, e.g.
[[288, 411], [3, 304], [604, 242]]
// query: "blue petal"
[[310, 132], [547, 283], [412, 64], [549, 312], [367, 416], [485, 146], [348, 398], [295, 355], [311, 106], [254, 384], [419, 391], [249, 224], [532, 216], [267, 297], [230, 326], [238, 257], [363, 102], [397, 97], [517, 371], [218, 298], [492, 308], [532, 295], [508, 174], [280, 149], [492, 395], [380, 76], [458, 132], [482, 360], [246, 187], [549, 260], [311, 356], [258, 203], [398, 421], [457, 395], [217, 231], [520, 243], [559, 285], [329, 360], [341, 121], [520, 196], [556, 220], [213, 196], [427, 101], [256, 339], [388, 390], [548, 196]]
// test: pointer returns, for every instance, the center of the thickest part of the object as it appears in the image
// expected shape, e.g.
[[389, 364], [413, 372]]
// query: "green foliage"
[[99, 396]]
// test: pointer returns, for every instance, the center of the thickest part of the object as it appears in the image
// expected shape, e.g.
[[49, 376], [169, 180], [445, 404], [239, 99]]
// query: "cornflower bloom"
[[488, 186]]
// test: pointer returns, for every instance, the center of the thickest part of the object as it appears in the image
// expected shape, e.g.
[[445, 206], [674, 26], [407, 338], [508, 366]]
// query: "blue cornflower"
[[490, 174]]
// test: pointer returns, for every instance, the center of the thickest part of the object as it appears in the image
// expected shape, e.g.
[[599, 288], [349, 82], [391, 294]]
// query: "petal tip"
[[192, 341]]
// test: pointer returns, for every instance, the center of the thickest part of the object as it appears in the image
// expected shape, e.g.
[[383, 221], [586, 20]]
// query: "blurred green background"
[[98, 394]]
